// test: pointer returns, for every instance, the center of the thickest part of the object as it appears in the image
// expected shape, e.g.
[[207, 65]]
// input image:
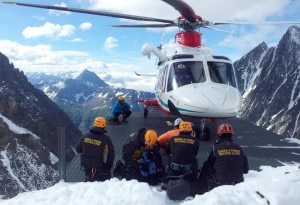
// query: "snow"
[[20, 130], [276, 186], [6, 164], [15, 128]]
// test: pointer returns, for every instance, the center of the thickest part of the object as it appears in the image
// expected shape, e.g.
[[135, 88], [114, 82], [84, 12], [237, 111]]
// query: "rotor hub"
[[191, 39]]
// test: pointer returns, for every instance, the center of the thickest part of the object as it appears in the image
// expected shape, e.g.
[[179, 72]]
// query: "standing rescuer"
[[227, 162], [94, 147]]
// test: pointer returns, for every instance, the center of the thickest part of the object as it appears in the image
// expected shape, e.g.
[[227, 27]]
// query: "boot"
[[114, 121], [124, 118]]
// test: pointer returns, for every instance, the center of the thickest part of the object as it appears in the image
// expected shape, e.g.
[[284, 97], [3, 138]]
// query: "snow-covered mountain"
[[29, 123], [269, 79], [86, 96]]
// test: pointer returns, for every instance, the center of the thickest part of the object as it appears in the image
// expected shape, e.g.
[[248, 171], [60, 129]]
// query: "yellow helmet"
[[150, 138], [121, 99], [185, 127], [100, 122]]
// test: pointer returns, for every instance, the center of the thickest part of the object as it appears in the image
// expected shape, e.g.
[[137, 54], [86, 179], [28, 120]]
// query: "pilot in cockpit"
[[183, 75]]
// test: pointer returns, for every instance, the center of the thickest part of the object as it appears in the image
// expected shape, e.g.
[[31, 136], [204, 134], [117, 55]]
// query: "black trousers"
[[126, 114]]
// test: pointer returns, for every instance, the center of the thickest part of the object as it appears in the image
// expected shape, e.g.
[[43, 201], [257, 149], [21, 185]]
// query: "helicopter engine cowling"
[[148, 48]]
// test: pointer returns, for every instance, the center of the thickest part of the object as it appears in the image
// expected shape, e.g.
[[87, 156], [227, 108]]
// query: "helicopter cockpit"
[[185, 72], [189, 72], [221, 72]]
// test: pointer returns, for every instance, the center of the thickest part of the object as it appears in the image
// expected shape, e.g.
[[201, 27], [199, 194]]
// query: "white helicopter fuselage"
[[211, 92]]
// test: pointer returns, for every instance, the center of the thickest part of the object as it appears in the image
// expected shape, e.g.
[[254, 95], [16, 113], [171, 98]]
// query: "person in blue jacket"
[[121, 107]]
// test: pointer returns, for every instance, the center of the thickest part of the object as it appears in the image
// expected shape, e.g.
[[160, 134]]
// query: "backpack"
[[148, 166]]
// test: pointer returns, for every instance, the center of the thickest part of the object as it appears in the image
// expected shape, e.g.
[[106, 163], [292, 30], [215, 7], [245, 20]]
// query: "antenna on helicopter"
[[160, 45], [161, 41]]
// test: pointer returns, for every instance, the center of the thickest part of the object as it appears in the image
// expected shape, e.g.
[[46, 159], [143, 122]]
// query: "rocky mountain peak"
[[89, 77], [270, 83], [292, 34], [29, 109]]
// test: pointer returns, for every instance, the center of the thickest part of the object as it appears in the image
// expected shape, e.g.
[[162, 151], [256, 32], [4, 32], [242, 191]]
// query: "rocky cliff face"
[[269, 79], [27, 157]]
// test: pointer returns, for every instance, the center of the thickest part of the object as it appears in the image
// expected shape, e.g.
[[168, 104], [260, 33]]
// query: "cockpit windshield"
[[185, 72], [221, 72]]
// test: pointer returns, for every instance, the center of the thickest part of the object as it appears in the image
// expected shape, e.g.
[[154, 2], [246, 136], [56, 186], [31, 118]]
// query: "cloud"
[[76, 40], [110, 43], [211, 10], [49, 30], [85, 26], [250, 39], [41, 57]]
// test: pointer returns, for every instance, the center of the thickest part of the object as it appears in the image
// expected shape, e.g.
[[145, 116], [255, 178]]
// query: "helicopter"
[[191, 81]]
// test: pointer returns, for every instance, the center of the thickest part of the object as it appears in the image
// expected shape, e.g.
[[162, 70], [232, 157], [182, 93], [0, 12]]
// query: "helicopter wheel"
[[204, 134], [146, 111], [196, 132]]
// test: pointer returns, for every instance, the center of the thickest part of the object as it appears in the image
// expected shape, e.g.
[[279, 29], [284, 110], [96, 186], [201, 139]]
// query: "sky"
[[46, 40]]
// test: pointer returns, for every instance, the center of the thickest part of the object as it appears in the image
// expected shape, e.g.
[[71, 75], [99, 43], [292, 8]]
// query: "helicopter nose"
[[220, 96], [212, 100]]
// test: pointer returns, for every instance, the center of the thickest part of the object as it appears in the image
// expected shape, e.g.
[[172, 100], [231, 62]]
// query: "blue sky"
[[39, 39]]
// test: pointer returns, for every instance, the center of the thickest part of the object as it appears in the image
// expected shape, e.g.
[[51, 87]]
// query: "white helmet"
[[177, 121]]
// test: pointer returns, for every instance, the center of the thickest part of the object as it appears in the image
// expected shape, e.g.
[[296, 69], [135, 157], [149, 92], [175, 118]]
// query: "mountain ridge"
[[31, 153], [272, 100]]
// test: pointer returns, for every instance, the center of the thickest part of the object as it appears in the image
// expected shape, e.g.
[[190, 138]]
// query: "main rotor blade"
[[185, 10], [258, 23], [86, 11], [146, 25], [217, 29]]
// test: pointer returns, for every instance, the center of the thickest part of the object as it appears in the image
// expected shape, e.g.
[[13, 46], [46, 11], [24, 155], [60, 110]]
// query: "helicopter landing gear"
[[173, 109], [146, 112], [202, 133]]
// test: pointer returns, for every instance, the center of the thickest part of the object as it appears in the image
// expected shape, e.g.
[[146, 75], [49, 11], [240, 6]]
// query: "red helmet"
[[225, 129]]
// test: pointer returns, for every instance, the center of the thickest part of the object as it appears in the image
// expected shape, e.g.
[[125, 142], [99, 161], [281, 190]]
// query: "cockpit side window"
[[184, 73], [221, 72]]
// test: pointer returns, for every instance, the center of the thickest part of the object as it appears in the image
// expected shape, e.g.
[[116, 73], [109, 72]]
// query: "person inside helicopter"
[[183, 75]]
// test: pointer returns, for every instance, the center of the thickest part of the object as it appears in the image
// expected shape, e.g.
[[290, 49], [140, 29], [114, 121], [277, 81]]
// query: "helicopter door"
[[163, 78]]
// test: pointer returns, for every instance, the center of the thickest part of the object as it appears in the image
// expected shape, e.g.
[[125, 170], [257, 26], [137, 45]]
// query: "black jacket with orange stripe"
[[93, 147], [228, 162]]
